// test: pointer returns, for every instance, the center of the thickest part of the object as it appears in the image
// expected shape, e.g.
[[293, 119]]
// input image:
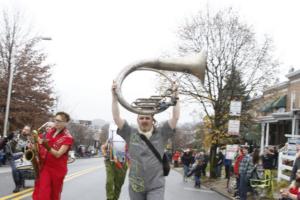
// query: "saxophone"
[[32, 154]]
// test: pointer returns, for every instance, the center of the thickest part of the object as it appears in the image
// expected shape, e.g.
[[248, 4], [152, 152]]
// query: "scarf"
[[148, 134]]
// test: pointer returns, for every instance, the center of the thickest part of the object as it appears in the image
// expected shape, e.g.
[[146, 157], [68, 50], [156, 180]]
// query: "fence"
[[282, 166]]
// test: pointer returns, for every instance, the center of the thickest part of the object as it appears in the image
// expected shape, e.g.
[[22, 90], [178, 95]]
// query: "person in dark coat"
[[268, 158], [186, 160], [220, 161]]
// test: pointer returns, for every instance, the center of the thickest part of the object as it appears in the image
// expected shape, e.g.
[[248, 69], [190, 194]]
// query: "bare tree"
[[231, 46], [31, 96], [80, 134]]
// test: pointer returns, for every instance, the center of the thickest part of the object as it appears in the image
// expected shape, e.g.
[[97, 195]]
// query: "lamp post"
[[12, 66]]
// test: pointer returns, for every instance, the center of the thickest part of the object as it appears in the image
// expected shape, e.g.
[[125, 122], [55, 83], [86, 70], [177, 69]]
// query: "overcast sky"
[[92, 40]]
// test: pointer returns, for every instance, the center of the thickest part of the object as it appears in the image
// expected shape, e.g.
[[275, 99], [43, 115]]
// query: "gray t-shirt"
[[146, 172]]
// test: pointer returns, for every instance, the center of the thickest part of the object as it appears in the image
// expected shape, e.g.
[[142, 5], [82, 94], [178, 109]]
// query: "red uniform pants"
[[48, 186]]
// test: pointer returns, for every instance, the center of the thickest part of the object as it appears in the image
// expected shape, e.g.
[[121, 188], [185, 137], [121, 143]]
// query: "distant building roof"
[[293, 74]]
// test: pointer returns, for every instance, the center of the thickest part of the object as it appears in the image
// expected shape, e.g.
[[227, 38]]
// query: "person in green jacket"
[[114, 151]]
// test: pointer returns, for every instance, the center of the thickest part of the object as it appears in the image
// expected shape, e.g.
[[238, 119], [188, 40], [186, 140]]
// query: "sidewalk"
[[217, 185]]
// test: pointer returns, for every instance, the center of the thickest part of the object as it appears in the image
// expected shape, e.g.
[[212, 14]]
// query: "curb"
[[179, 170], [220, 193]]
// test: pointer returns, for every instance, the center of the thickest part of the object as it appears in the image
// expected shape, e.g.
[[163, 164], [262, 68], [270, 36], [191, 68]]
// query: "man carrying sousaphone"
[[53, 152], [146, 175]]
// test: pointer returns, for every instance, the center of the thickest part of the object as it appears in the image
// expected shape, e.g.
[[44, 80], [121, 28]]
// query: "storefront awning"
[[280, 102]]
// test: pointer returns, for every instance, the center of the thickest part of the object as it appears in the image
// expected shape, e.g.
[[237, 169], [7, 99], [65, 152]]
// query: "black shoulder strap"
[[149, 144]]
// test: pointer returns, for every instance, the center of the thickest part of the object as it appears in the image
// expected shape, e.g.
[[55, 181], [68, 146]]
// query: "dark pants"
[[17, 174], [186, 170], [227, 171], [176, 163], [204, 169], [237, 193], [197, 181], [244, 187], [218, 170]]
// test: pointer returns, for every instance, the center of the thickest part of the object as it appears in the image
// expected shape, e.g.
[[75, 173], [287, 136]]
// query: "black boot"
[[23, 183], [17, 189]]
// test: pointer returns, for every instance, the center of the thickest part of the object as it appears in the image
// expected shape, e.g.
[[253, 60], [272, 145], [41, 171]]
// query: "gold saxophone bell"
[[156, 104], [32, 155], [29, 155]]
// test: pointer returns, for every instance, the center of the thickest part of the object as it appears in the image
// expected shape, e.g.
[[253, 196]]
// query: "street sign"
[[235, 108], [234, 127]]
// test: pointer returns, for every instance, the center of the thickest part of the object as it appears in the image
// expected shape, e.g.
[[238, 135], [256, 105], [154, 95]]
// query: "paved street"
[[86, 180]]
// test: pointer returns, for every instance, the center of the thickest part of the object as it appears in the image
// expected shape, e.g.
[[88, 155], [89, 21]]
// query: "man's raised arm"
[[115, 108], [176, 109]]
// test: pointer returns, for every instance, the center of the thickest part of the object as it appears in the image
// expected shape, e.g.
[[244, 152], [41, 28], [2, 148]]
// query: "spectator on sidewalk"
[[220, 162], [186, 160], [268, 158], [246, 169], [196, 170], [175, 158], [293, 190], [243, 150]]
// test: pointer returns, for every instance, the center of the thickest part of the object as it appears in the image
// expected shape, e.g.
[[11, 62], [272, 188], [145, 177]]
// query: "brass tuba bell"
[[157, 104]]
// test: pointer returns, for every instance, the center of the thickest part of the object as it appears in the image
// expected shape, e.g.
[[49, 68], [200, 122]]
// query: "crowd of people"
[[247, 164]]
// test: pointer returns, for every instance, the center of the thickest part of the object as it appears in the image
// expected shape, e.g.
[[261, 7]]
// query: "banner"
[[235, 108], [234, 127]]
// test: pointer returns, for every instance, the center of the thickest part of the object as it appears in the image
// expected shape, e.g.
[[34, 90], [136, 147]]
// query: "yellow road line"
[[80, 174], [82, 171], [16, 194], [28, 192]]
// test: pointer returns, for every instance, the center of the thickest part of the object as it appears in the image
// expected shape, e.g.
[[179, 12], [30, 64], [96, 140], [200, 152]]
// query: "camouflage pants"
[[114, 180]]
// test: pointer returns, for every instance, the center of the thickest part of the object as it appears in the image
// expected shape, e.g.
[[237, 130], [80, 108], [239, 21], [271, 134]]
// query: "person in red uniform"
[[53, 151]]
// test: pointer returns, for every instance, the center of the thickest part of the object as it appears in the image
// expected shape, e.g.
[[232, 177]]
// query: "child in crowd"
[[196, 170]]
